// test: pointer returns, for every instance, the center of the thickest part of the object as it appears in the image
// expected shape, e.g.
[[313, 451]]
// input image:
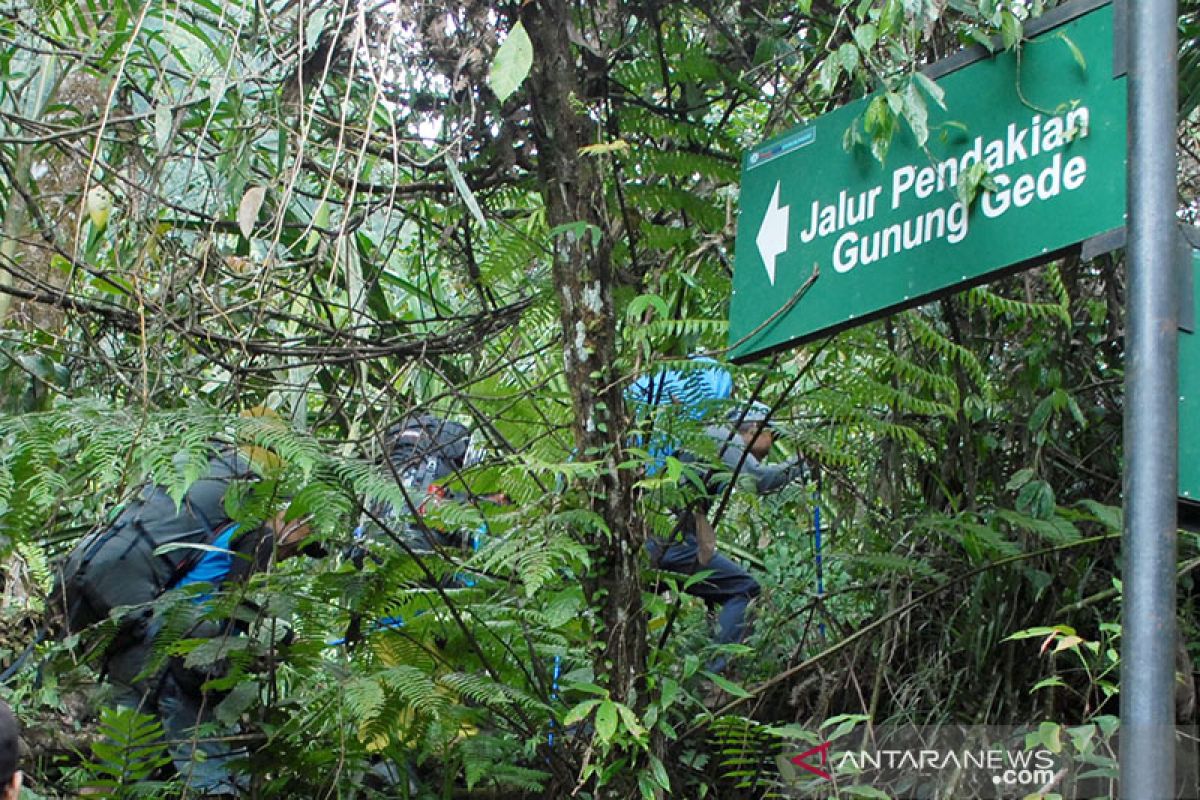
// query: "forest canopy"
[[285, 225]]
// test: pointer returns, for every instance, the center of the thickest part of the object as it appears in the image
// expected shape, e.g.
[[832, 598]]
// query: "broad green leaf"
[[320, 220], [632, 723], [1020, 478], [931, 88], [1036, 499], [579, 712], [1048, 735], [511, 64], [866, 35], [916, 113], [726, 684], [659, 772], [1109, 515], [638, 305], [1010, 29], [828, 73], [606, 720], [1081, 737], [847, 55]]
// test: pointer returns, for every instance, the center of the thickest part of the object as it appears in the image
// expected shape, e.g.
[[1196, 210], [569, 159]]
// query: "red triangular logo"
[[823, 750]]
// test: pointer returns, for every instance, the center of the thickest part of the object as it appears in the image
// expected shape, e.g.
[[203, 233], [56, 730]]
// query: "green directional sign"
[[1189, 393], [1049, 126]]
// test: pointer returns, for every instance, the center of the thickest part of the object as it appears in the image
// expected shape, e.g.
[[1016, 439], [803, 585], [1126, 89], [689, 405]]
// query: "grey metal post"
[[1147, 757]]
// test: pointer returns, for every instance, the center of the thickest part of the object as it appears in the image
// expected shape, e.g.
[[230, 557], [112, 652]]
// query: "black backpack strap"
[[102, 538]]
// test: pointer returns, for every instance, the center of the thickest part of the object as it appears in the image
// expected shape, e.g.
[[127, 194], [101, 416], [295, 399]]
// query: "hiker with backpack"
[[425, 453], [742, 439], [10, 749], [122, 569]]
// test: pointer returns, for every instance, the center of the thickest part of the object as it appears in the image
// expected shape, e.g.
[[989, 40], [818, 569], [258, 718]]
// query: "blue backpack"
[[671, 397]]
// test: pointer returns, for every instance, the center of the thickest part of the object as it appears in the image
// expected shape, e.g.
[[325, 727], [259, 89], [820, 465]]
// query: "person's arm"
[[12, 790], [766, 478]]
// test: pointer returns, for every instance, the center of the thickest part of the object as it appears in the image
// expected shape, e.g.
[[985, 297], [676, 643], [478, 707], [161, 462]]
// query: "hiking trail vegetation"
[[289, 224]]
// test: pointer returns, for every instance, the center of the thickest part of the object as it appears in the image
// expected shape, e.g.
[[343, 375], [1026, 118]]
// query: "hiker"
[[424, 453], [742, 443], [10, 748], [129, 563]]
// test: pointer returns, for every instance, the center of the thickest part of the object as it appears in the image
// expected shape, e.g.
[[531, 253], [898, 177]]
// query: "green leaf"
[[866, 35], [638, 305], [632, 723], [972, 180], [876, 115], [646, 786], [1020, 478], [320, 220], [931, 88], [314, 27], [1076, 53], [111, 284], [1048, 735], [828, 73], [169, 547], [916, 112], [847, 56], [579, 712], [726, 684], [606, 720], [464, 191], [231, 708], [844, 724], [1081, 737], [670, 690], [1048, 682], [1036, 499], [1109, 516], [889, 18], [512, 63], [1040, 632], [1010, 29], [1041, 413], [659, 772]]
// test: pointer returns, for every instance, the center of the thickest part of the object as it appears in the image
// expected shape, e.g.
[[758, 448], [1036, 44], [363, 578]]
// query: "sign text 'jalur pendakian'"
[[1049, 126]]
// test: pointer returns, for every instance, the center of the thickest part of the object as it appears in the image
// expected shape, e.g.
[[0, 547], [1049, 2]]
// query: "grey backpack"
[[116, 565]]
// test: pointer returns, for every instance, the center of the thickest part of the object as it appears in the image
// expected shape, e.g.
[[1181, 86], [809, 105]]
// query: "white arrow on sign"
[[773, 234]]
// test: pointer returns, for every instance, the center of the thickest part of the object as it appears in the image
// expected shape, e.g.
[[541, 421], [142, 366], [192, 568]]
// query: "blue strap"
[[820, 567], [477, 537], [554, 695], [214, 565]]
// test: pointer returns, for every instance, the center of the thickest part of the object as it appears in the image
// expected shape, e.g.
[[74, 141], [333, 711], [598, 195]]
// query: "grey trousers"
[[203, 765]]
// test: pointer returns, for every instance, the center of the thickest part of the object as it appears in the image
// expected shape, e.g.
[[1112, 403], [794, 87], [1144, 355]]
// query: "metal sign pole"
[[1147, 757]]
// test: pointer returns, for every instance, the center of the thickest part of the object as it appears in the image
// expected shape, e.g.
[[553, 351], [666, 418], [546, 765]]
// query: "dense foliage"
[[503, 213]]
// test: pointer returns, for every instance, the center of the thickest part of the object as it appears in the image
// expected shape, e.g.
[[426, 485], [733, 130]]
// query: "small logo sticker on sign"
[[782, 147]]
